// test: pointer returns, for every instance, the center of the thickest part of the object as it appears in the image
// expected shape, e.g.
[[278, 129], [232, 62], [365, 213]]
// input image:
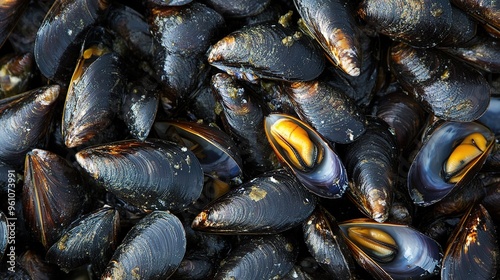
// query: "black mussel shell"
[[485, 12], [334, 28], [472, 250], [25, 122], [49, 180], [490, 117], [10, 13], [268, 50], [271, 203], [89, 240], [16, 73], [238, 8], [152, 249], [293, 141], [326, 244], [152, 174], [216, 151], [426, 183], [416, 256], [263, 257], [446, 87], [59, 38]]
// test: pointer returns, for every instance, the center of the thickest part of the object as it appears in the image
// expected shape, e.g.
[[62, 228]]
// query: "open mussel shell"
[[326, 244], [268, 50], [89, 240], [49, 180], [24, 122], [215, 149], [260, 257], [153, 174], [152, 249], [409, 253], [271, 203], [426, 182], [310, 158], [472, 250]]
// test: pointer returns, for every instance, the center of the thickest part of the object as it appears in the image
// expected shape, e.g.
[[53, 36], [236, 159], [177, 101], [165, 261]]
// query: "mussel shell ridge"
[[425, 182]]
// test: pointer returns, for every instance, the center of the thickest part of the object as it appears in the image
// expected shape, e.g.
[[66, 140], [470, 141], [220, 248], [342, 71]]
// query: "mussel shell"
[[425, 182], [419, 23], [215, 149], [152, 174], [152, 249], [66, 24], [472, 250], [90, 239], [48, 180], [327, 178], [445, 86], [271, 203], [329, 110], [334, 28], [238, 8], [327, 245], [490, 117], [10, 13], [24, 122], [418, 255], [268, 50], [92, 101], [487, 12], [16, 73], [263, 257], [371, 163]]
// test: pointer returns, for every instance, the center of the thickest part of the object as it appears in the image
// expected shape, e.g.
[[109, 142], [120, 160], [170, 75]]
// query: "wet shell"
[[92, 99], [48, 180], [325, 175], [486, 12], [89, 240], [10, 12], [271, 203], [66, 24], [268, 50], [472, 250], [16, 73], [371, 167], [446, 87], [152, 174], [326, 244], [330, 111], [215, 149], [416, 257], [426, 184], [266, 257], [24, 122], [334, 28], [238, 8], [152, 249]]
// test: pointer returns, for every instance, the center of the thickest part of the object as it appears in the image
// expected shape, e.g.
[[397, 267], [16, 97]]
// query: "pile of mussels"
[[266, 139]]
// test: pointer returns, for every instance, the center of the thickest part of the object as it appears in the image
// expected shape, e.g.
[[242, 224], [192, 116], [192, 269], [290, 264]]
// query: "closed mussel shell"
[[472, 250], [328, 109], [152, 249], [153, 174], [260, 257], [93, 97], [271, 203], [89, 240], [486, 12], [238, 8], [333, 26], [307, 155], [268, 50], [24, 122], [215, 149], [426, 180], [446, 87], [48, 180], [392, 251], [67, 24], [326, 244]]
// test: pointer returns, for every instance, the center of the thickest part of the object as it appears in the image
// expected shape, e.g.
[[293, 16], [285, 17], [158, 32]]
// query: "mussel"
[[437, 169], [307, 155], [152, 174], [391, 251]]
